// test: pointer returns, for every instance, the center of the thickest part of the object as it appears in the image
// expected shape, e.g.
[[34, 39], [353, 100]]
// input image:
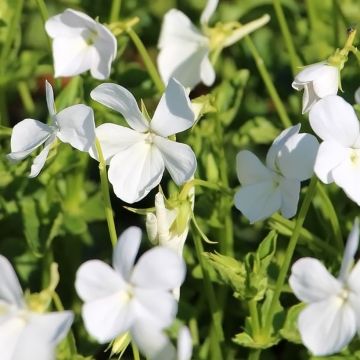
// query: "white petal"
[[330, 155], [159, 268], [258, 201], [308, 73], [174, 112], [326, 81], [179, 159], [311, 282], [333, 119], [309, 98], [135, 171], [95, 280], [126, 250], [26, 136], [77, 126], [121, 100], [184, 344], [250, 170], [354, 280], [50, 98], [10, 289], [327, 326], [207, 72], [296, 158], [10, 332], [209, 10], [290, 191]]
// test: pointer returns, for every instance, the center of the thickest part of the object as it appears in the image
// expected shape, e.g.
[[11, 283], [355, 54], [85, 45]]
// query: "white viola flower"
[[24, 332], [73, 125], [332, 315], [130, 297], [80, 44], [338, 159], [317, 80], [276, 186], [137, 157]]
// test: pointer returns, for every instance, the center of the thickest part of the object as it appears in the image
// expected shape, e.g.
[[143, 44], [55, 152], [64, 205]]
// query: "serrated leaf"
[[290, 330]]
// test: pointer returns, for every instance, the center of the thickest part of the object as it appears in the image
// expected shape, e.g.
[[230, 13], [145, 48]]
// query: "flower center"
[[126, 295], [355, 157], [149, 138], [343, 295], [91, 37]]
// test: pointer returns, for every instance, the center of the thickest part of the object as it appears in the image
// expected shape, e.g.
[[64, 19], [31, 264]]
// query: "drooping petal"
[[184, 344], [311, 282], [76, 126], [126, 250], [290, 191], [26, 136], [10, 289], [333, 119], [207, 71], [179, 159], [174, 112], [326, 81], [135, 171], [308, 73], [121, 100], [96, 280], [208, 11], [258, 201], [149, 271], [50, 98], [250, 170], [327, 326], [309, 97], [10, 332]]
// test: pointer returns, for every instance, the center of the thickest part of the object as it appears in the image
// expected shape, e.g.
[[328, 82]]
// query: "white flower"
[[338, 159], [127, 297], [318, 80], [73, 125], [138, 156], [266, 190], [80, 44], [332, 316], [25, 333]]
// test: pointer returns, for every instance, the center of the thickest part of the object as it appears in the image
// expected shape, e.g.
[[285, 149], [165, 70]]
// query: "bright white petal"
[[309, 97], [258, 201], [121, 100], [179, 159], [159, 268], [290, 191], [77, 126], [326, 81], [209, 10], [184, 344], [207, 72], [10, 332], [250, 170], [311, 282], [333, 119], [50, 98], [135, 171], [174, 112], [96, 280], [126, 250], [327, 326], [308, 73]]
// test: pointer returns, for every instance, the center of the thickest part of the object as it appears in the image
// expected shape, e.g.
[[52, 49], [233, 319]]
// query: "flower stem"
[[106, 194], [147, 60], [280, 108], [135, 351], [289, 253], [25, 96], [115, 10], [254, 354], [44, 16]]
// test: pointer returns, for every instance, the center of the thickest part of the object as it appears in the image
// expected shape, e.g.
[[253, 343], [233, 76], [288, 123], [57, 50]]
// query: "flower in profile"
[[338, 159], [80, 44], [276, 186], [73, 125], [331, 318], [137, 157], [130, 297], [184, 49], [26, 332], [317, 80]]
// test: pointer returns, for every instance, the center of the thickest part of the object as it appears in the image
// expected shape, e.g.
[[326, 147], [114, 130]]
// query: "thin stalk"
[[254, 314], [4, 117], [147, 60], [254, 354], [335, 24], [280, 108], [311, 14], [44, 16], [115, 10], [135, 351], [26, 97], [106, 194], [289, 253]]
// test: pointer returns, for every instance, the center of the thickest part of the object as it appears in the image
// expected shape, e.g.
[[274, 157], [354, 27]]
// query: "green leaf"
[[244, 339], [290, 330]]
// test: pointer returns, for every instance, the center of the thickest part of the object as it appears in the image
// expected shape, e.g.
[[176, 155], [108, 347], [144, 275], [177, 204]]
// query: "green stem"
[[44, 16], [147, 60], [106, 194], [115, 10], [254, 314], [280, 108], [311, 14], [135, 351], [216, 314], [254, 354], [335, 24], [26, 97], [289, 253], [294, 60], [4, 117]]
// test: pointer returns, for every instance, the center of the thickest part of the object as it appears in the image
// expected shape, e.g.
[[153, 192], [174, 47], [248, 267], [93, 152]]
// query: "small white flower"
[[73, 125], [80, 44], [138, 156], [24, 333], [338, 159], [127, 297], [332, 316], [318, 80], [266, 190]]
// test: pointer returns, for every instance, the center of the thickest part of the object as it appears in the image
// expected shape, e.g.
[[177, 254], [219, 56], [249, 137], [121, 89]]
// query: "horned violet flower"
[[80, 44], [276, 186], [331, 317], [73, 125]]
